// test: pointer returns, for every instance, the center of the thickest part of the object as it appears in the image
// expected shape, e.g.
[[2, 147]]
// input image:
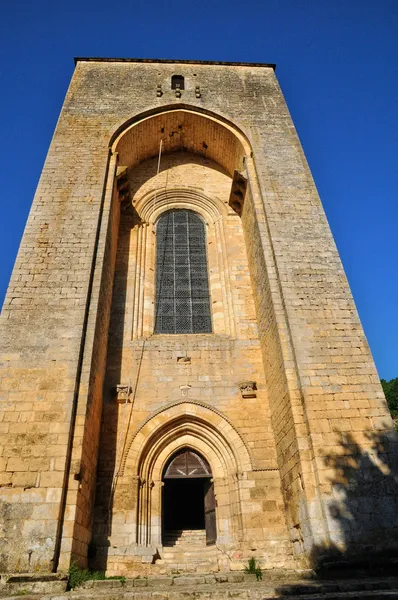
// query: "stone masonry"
[[282, 399]]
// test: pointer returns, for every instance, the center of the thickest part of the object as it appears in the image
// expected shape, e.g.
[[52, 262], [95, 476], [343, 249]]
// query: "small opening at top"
[[177, 82]]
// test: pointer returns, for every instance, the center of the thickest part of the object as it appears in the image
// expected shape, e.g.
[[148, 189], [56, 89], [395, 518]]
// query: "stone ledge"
[[363, 589], [23, 584]]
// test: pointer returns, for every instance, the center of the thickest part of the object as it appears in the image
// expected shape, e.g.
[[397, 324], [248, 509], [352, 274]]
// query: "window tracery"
[[182, 287]]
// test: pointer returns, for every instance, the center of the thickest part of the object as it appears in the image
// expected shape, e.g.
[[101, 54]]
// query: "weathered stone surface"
[[159, 581], [142, 582], [303, 466], [188, 580], [28, 583], [282, 586]]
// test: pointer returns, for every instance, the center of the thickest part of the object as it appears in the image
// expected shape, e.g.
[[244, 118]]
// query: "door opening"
[[188, 501]]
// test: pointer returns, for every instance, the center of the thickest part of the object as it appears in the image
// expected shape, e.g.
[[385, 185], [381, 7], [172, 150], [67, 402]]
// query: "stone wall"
[[205, 369], [321, 397]]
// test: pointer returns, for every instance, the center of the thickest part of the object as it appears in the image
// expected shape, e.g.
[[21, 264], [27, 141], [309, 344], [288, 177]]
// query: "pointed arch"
[[168, 429], [204, 430]]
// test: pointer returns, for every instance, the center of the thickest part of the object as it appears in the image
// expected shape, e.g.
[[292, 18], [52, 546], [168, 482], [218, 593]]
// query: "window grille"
[[182, 288]]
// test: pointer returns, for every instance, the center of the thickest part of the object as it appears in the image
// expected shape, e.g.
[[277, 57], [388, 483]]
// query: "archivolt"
[[186, 423], [150, 208]]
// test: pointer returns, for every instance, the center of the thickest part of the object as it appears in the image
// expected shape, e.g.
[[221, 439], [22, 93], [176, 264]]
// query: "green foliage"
[[78, 576], [253, 568], [391, 393]]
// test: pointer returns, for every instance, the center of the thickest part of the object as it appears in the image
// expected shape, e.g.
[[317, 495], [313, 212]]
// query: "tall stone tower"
[[182, 359]]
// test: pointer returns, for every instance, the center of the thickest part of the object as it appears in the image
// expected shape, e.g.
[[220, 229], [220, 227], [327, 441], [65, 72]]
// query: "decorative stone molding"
[[143, 266], [123, 392], [248, 389], [182, 407]]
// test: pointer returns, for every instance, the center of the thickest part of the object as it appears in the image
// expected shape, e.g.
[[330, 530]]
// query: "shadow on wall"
[[362, 513], [108, 461]]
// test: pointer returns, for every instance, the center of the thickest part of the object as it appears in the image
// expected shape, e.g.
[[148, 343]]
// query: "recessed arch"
[[203, 429], [199, 155], [181, 127], [179, 434], [150, 445], [159, 110]]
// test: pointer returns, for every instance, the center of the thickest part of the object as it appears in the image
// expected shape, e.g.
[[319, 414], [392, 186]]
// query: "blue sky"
[[337, 63]]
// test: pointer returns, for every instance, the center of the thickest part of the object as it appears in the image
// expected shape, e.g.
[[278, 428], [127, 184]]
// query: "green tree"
[[391, 392]]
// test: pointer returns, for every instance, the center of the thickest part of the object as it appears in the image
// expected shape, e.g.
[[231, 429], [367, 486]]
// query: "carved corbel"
[[248, 389], [123, 393]]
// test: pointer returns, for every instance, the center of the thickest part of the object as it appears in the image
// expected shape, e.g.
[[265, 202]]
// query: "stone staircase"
[[185, 537], [216, 586], [186, 551]]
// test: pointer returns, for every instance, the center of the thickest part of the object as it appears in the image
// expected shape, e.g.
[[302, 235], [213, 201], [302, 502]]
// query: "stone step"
[[191, 550], [184, 543], [283, 585], [233, 586], [242, 585], [223, 586], [198, 556], [190, 594], [185, 537], [184, 558], [185, 532], [185, 591], [185, 540], [192, 562], [181, 544]]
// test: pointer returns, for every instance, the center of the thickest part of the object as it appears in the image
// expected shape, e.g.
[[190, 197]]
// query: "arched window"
[[182, 287]]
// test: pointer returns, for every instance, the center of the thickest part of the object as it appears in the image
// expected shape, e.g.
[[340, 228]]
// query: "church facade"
[[185, 379]]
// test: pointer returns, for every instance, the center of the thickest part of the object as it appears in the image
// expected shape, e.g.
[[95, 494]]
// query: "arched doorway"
[[188, 501], [178, 426]]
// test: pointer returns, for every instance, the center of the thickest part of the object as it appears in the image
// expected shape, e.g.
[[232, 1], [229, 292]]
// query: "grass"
[[78, 576], [253, 568]]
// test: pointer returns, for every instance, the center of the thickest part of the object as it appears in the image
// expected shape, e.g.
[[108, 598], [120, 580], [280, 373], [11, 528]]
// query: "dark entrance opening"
[[188, 495], [184, 504]]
